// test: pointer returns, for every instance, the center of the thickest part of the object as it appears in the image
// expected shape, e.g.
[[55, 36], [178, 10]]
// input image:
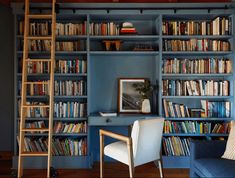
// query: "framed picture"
[[129, 100]]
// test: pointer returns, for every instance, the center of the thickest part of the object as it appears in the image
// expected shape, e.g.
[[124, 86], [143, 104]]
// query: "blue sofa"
[[206, 161]]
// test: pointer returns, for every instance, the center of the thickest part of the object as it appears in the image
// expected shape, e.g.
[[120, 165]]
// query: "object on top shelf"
[[143, 47], [110, 43], [128, 29]]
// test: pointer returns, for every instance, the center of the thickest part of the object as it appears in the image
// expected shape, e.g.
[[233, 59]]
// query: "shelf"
[[213, 53], [57, 53], [126, 37], [55, 119], [197, 75], [70, 37], [197, 119], [56, 75], [197, 97], [124, 52], [55, 97], [57, 135], [195, 135], [197, 36]]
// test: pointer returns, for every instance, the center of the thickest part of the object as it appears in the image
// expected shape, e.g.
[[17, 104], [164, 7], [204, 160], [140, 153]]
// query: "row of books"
[[176, 146], [109, 28], [217, 109], [60, 147], [217, 26], [70, 88], [195, 88], [60, 127], [61, 110], [34, 89], [194, 127], [197, 66], [38, 67], [36, 28], [70, 109], [71, 66], [196, 45], [71, 28], [209, 109], [45, 45], [36, 124]]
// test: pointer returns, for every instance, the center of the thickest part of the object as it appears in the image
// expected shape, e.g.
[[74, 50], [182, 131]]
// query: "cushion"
[[215, 167], [117, 151], [230, 147]]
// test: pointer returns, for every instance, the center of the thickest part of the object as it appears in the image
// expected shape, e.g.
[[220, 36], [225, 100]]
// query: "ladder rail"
[[53, 30]]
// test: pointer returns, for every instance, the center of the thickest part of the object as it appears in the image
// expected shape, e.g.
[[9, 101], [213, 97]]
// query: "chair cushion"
[[215, 167], [117, 151], [230, 151]]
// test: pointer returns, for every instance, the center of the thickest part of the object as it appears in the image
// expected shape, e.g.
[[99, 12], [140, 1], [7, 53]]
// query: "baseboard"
[[6, 155]]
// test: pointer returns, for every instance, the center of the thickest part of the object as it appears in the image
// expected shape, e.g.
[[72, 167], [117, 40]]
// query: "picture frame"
[[129, 100]]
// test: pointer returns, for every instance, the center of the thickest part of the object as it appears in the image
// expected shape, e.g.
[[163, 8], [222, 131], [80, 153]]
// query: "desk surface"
[[119, 120]]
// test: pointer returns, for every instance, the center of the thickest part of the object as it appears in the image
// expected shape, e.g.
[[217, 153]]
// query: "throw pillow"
[[230, 147]]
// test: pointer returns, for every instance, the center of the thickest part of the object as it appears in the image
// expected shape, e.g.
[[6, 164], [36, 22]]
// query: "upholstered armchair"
[[142, 147]]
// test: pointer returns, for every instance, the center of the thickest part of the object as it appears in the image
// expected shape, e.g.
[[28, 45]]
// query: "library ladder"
[[24, 104]]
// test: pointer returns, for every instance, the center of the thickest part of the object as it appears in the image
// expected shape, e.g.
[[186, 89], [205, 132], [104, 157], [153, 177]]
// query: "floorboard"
[[112, 170]]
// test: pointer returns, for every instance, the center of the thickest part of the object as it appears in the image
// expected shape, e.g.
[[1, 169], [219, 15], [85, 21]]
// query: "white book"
[[107, 113]]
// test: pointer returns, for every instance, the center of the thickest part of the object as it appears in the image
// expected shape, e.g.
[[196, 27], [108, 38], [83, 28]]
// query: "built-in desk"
[[119, 120]]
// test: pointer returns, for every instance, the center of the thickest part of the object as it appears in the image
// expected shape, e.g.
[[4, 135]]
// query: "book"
[[107, 113]]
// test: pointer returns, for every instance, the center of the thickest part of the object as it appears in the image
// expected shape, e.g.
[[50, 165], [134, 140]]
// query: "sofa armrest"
[[207, 149]]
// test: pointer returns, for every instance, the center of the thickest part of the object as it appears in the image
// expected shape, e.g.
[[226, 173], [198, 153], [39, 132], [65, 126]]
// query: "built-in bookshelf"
[[197, 83], [188, 55]]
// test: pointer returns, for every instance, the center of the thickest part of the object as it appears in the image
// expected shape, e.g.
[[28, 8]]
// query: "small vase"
[[146, 109]]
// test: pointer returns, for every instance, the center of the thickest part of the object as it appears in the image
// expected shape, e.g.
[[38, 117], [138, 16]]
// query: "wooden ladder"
[[24, 103]]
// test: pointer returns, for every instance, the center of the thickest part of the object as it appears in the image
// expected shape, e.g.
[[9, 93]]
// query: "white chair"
[[142, 147]]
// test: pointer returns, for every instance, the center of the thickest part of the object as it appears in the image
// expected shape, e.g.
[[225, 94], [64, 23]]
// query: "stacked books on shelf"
[[70, 88], [216, 109], [60, 127], [38, 45], [128, 29], [70, 109], [197, 66], [44, 28], [34, 112], [217, 26], [36, 124], [38, 67], [108, 28], [60, 147], [175, 146], [195, 88], [34, 89], [195, 127], [196, 45], [71, 28], [71, 66], [68, 46]]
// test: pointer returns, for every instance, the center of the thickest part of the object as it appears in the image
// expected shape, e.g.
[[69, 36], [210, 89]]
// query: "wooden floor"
[[112, 170]]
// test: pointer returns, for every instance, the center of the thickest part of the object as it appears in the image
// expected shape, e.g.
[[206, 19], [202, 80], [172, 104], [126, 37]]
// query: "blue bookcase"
[[105, 67]]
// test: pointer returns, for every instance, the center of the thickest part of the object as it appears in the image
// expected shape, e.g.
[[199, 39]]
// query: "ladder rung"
[[35, 130], [38, 60], [36, 83], [34, 154], [39, 37], [40, 16], [36, 106]]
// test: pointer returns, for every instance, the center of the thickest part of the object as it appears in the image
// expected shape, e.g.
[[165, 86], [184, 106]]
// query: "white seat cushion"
[[117, 151]]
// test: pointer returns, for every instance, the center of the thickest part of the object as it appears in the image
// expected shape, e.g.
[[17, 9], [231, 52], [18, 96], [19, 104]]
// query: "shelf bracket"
[[74, 11], [141, 11], [209, 11], [107, 11], [175, 10], [57, 8]]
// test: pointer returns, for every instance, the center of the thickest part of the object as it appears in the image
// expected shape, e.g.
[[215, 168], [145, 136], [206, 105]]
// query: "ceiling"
[[7, 2]]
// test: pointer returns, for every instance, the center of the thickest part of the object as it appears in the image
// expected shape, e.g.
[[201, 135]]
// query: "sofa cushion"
[[215, 167], [230, 151]]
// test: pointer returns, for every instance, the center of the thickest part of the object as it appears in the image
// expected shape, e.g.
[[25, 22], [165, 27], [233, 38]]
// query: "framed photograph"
[[129, 100]]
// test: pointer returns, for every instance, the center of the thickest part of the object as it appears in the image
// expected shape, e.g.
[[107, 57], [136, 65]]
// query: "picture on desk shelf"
[[129, 99]]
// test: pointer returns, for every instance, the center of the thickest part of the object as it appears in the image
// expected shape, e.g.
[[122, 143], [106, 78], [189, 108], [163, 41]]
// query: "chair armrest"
[[207, 149], [116, 136]]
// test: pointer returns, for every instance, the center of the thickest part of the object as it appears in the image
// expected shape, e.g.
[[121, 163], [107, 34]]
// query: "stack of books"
[[128, 29]]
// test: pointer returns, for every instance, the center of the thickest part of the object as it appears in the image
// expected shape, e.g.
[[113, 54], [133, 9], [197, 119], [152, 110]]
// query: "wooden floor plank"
[[111, 170]]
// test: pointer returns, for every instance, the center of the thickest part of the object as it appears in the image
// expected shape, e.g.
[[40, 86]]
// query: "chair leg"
[[160, 168], [130, 159], [101, 156]]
